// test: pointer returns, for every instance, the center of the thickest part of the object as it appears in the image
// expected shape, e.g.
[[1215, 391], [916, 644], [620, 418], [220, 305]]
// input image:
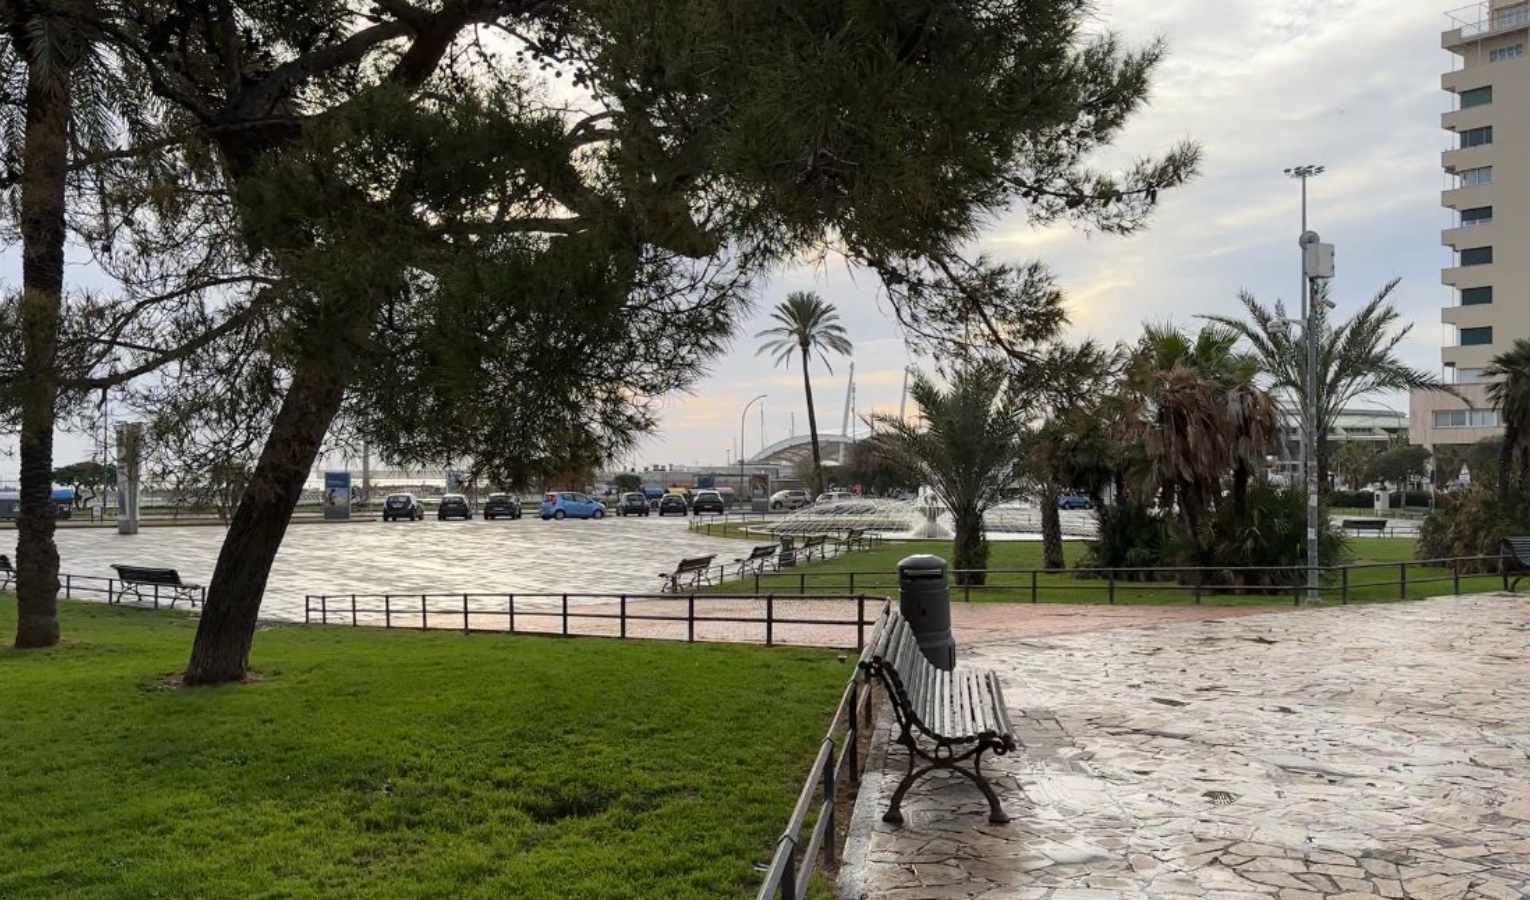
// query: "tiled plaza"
[[1366, 751]]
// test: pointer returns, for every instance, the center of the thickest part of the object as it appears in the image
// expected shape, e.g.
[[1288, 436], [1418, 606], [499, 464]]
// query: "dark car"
[[502, 506], [1074, 500], [708, 501], [632, 503], [403, 506], [454, 506], [673, 503]]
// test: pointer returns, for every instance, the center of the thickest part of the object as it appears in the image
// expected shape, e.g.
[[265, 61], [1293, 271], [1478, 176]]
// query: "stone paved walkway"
[[1339, 753]]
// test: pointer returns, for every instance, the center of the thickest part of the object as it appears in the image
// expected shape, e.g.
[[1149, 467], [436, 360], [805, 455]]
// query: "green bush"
[[1472, 522], [1273, 535], [1131, 536]]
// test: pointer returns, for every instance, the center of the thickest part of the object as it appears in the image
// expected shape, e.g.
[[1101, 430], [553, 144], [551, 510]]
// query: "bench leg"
[[942, 759]]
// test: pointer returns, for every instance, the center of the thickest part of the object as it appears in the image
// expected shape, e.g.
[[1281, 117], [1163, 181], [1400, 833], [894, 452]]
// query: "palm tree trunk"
[[969, 548], [45, 160], [1051, 530], [1506, 478], [807, 387], [1240, 491], [221, 651]]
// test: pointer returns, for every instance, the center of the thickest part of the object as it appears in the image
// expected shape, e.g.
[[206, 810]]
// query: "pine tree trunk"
[[807, 386], [1051, 530], [42, 284], [970, 548], [221, 652]]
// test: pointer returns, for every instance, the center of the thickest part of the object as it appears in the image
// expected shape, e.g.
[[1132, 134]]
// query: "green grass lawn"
[[365, 763], [1374, 575]]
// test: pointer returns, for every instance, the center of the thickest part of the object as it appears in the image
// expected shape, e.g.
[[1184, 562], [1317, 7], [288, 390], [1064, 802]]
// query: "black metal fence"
[[130, 593], [791, 866], [1343, 584], [827, 620]]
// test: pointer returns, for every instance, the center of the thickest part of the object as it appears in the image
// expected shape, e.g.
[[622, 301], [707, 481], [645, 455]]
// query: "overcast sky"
[[1349, 84]]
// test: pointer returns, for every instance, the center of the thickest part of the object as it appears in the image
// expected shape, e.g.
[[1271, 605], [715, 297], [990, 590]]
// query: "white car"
[[790, 499], [834, 497]]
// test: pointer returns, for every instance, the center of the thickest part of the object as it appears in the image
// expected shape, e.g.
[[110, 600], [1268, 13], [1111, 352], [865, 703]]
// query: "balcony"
[[1458, 158], [1460, 277], [1478, 21]]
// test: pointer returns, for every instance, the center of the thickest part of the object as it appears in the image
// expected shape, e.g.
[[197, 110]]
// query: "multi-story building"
[[1488, 194]]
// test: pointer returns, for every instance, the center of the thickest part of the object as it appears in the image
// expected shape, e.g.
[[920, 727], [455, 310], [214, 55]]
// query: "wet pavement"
[[612, 555], [1365, 751]]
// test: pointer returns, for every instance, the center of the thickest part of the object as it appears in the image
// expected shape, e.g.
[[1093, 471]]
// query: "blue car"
[[569, 505]]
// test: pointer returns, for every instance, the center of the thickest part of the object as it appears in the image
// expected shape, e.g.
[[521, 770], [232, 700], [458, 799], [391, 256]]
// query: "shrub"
[[1131, 536], [1472, 522], [1273, 535]]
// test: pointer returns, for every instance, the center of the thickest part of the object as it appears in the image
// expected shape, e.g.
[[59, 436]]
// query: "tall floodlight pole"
[[1317, 266], [742, 418], [1302, 173]]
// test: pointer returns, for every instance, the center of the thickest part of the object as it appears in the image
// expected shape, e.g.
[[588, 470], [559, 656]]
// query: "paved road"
[[1365, 751], [525, 556]]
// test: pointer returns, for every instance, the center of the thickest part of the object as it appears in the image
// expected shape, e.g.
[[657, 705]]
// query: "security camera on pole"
[[1317, 265]]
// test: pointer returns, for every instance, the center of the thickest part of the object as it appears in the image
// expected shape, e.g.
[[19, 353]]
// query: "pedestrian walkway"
[[1365, 751]]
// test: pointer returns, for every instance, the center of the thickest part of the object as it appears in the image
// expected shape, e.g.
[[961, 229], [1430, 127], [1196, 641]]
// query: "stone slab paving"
[[1367, 751]]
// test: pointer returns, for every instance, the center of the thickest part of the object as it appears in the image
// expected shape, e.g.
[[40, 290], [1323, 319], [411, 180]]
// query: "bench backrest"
[[764, 552], [144, 575], [694, 564], [909, 677], [5, 563], [1517, 547], [814, 541]]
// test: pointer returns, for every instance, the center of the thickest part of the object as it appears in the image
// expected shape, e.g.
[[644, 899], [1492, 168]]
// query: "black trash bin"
[[924, 598]]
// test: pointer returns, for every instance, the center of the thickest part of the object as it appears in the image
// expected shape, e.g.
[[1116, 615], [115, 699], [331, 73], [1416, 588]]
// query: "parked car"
[[454, 506], [632, 503], [502, 506], [834, 497], [571, 505], [673, 503], [708, 501], [1074, 500], [790, 499], [729, 495], [403, 506]]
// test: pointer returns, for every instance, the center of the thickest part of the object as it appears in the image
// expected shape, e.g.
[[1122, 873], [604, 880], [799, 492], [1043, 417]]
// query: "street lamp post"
[[742, 418], [1302, 173]]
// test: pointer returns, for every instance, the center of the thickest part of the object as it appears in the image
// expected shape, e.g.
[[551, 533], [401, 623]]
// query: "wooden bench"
[[1516, 560], [691, 572], [1377, 525], [757, 559], [7, 573], [961, 712], [135, 577]]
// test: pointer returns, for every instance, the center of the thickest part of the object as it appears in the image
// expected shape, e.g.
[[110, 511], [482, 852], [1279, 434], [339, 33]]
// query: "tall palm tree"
[[1510, 394], [57, 96], [806, 323], [964, 446], [1356, 357]]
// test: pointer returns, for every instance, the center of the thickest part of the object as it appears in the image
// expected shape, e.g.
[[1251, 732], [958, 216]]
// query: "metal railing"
[[828, 620], [130, 593], [792, 864], [1344, 583]]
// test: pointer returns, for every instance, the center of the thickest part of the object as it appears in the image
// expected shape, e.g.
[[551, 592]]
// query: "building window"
[[1511, 17], [1467, 418], [1474, 177], [1513, 51], [1477, 137], [1477, 337], [1476, 97], [1477, 215], [1477, 296], [1477, 256], [1469, 376]]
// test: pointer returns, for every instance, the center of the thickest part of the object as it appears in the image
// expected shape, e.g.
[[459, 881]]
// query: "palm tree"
[[1510, 394], [1356, 357], [806, 324], [964, 446]]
